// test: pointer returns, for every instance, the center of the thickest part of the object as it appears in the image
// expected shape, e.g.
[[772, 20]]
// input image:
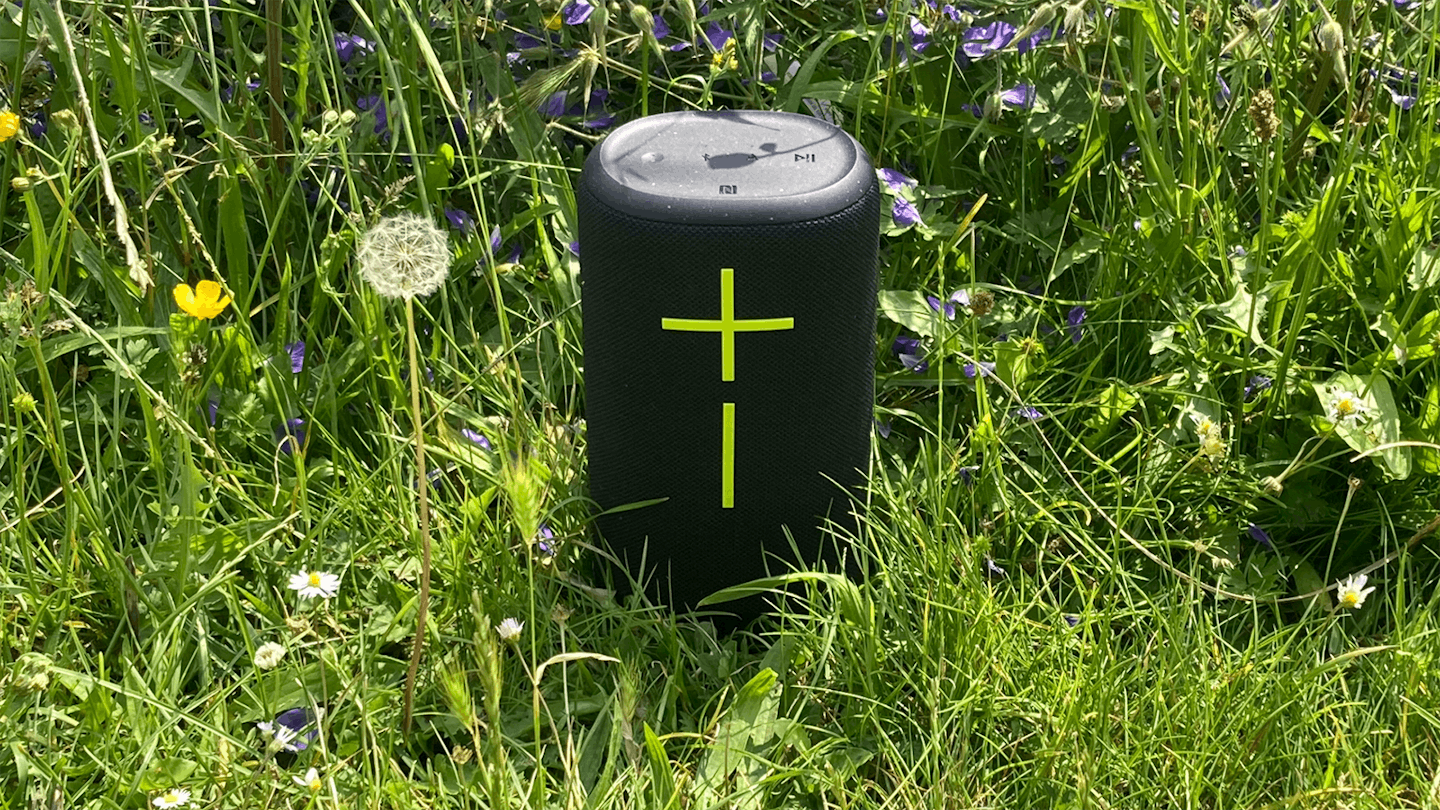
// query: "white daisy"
[[174, 797], [311, 780], [1351, 593], [269, 655], [509, 629], [282, 737], [315, 583], [1347, 406]]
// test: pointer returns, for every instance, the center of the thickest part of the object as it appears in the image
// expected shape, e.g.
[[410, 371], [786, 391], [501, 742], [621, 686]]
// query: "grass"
[[1102, 574]]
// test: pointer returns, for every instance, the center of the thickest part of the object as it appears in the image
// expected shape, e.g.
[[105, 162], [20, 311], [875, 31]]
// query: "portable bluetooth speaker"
[[728, 262]]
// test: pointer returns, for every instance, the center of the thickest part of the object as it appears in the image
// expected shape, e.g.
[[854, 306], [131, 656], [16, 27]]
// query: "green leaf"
[[1425, 269], [166, 774], [1380, 426], [910, 310]]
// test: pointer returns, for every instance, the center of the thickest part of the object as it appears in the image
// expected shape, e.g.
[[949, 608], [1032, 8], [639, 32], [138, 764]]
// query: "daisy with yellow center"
[[311, 780], [1351, 593], [9, 125], [174, 797], [315, 583], [206, 301], [1347, 406]]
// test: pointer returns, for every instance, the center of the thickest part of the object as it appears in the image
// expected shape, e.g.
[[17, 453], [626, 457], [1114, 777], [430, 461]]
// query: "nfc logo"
[[724, 189]]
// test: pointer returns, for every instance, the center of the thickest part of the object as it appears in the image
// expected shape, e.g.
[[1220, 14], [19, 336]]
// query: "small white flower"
[[404, 256], [281, 738], [1347, 406], [315, 583], [1351, 593], [269, 655], [509, 629], [311, 780], [174, 797]]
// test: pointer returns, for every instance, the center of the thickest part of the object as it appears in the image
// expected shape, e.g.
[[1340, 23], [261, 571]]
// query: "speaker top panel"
[[729, 167]]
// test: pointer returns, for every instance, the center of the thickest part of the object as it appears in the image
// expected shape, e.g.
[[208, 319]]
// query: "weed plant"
[[1157, 414]]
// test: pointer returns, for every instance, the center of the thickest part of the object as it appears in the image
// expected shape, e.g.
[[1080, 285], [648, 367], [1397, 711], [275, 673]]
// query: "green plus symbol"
[[727, 325]]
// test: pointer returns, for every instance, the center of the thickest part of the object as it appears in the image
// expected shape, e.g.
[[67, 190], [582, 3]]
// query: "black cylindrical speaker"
[[728, 262]]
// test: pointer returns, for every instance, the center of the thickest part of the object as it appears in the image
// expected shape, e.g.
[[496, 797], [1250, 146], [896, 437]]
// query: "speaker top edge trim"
[[728, 168]]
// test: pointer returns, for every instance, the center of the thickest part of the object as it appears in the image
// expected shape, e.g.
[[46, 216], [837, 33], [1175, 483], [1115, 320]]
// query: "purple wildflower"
[[1260, 536], [1073, 621], [959, 297], [290, 436], [952, 13], [1222, 97], [993, 569], [382, 119], [301, 721], [1027, 412], [39, 124], [717, 36], [1073, 322], [896, 181], [919, 36], [1402, 100], [460, 220], [212, 407], [908, 350], [296, 351], [984, 40], [1258, 383], [542, 541], [574, 247], [525, 41], [228, 91], [967, 474], [349, 46], [476, 438], [982, 368], [883, 428], [594, 107], [1021, 96], [554, 105], [974, 109], [1045, 34], [903, 213], [661, 28], [578, 11], [772, 41]]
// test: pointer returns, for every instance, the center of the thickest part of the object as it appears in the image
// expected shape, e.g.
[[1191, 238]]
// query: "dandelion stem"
[[423, 486]]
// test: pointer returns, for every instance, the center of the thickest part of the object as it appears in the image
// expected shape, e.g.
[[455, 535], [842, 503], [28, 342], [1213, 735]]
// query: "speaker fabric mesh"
[[802, 397]]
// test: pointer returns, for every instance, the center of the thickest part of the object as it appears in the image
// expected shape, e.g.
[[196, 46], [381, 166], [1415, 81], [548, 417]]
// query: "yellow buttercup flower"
[[204, 302], [9, 125]]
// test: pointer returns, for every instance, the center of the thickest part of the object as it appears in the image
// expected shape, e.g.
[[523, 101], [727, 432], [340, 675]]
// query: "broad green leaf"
[[910, 310], [1425, 269], [1380, 425]]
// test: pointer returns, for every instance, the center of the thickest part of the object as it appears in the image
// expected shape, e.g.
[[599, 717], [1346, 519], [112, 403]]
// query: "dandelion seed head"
[[404, 256]]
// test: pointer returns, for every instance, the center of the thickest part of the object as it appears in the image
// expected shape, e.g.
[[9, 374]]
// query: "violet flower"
[[1044, 34], [967, 474], [577, 12], [476, 438], [461, 221], [903, 213], [1021, 96], [982, 368], [896, 181], [1257, 384], [543, 541], [290, 436], [1073, 323], [919, 36], [1260, 536], [993, 569], [959, 297], [717, 36], [1027, 412], [296, 351], [349, 46], [984, 40], [883, 428], [574, 247], [908, 350]]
